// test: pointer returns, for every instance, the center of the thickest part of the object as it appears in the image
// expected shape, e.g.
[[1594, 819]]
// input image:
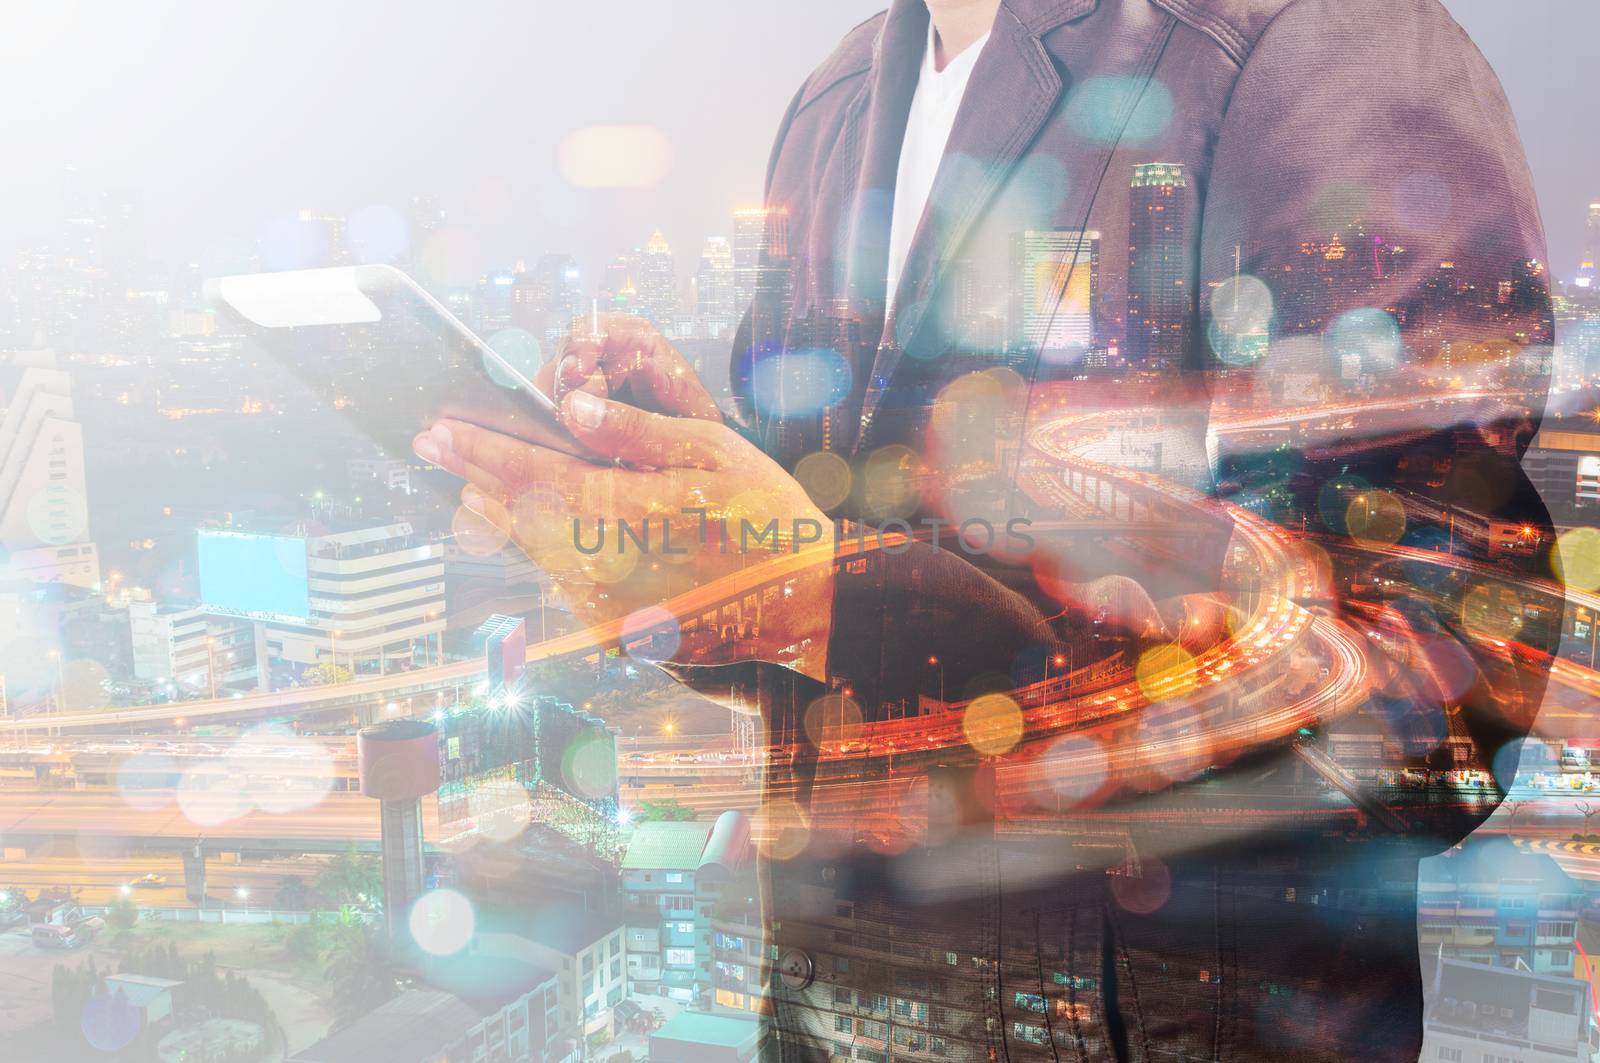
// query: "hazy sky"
[[224, 117]]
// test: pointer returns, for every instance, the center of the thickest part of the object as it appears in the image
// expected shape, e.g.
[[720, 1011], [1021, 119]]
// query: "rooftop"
[[413, 1026], [138, 989], [716, 1031], [666, 846]]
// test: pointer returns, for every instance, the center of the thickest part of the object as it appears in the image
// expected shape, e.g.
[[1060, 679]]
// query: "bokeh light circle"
[[992, 724], [1492, 610], [1143, 891], [520, 351], [832, 720], [1075, 768], [1375, 516], [826, 477], [442, 922], [475, 535], [1165, 671], [1575, 558]]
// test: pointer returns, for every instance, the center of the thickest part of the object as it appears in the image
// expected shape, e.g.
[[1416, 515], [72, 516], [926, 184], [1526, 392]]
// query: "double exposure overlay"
[[1089, 552]]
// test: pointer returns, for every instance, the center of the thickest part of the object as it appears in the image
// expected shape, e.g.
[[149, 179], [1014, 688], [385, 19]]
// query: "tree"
[[122, 913], [350, 878], [670, 810], [294, 894], [325, 674], [360, 971]]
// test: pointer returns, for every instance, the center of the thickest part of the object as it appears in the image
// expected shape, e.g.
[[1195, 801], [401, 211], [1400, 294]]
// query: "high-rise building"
[[425, 218], [44, 510], [658, 284], [366, 599], [716, 301], [761, 265], [1587, 276], [617, 289], [324, 238], [1160, 303], [547, 298], [1053, 282], [496, 293]]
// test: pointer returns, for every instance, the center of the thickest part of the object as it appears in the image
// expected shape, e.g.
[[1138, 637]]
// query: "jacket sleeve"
[[1370, 237]]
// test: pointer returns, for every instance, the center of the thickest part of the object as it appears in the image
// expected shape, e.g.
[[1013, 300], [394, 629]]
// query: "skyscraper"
[[1159, 300], [425, 218], [617, 290], [549, 297], [44, 515], [1587, 276], [716, 304], [658, 284], [1053, 281], [761, 265]]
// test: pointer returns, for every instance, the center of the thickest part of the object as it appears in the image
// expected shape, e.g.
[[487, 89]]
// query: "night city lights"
[[1008, 531]]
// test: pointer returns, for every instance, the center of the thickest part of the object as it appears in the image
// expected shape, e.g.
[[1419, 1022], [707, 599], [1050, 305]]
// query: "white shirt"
[[933, 114]]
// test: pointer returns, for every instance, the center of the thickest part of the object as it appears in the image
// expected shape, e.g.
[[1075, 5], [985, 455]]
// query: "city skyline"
[[222, 189]]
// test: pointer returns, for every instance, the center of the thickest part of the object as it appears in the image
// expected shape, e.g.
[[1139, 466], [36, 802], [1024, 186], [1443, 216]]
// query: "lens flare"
[[992, 724], [832, 720], [1165, 671], [442, 922], [826, 477], [615, 156], [1375, 516], [1492, 610], [1575, 559]]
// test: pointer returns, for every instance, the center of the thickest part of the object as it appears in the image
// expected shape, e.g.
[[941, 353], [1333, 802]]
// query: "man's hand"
[[701, 503], [628, 359]]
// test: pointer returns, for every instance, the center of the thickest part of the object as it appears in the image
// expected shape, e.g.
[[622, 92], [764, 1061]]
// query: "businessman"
[[1118, 378]]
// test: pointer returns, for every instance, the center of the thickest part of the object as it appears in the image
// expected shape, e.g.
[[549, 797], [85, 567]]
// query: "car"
[[148, 882]]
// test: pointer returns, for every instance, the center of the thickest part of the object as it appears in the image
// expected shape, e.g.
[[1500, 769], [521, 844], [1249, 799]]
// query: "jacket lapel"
[[1015, 88]]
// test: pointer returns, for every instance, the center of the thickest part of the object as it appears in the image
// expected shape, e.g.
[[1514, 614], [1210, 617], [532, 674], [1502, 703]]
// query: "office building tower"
[[365, 600], [44, 511], [324, 239], [716, 300], [547, 298], [425, 218], [496, 293], [1160, 303], [658, 284], [761, 265], [1053, 282], [1587, 278], [617, 289]]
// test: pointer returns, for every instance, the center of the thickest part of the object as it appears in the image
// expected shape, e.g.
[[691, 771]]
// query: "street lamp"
[[1057, 659], [934, 662], [211, 663], [61, 681]]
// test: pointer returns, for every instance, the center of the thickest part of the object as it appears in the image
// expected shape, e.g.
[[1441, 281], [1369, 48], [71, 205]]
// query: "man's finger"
[[511, 461], [486, 505], [634, 359], [640, 438]]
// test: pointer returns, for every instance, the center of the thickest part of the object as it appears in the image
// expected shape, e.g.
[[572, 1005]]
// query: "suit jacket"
[[1211, 364]]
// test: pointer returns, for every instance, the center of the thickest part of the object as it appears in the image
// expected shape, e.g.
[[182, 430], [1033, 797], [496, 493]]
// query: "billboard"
[[261, 576], [505, 648]]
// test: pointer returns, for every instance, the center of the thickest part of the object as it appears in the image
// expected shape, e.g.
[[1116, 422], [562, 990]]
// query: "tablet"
[[388, 355]]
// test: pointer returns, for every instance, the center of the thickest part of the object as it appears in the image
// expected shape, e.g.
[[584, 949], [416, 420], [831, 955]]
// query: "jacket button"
[[796, 970]]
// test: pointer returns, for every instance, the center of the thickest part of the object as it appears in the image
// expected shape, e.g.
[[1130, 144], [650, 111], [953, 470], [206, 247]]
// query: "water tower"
[[399, 762]]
